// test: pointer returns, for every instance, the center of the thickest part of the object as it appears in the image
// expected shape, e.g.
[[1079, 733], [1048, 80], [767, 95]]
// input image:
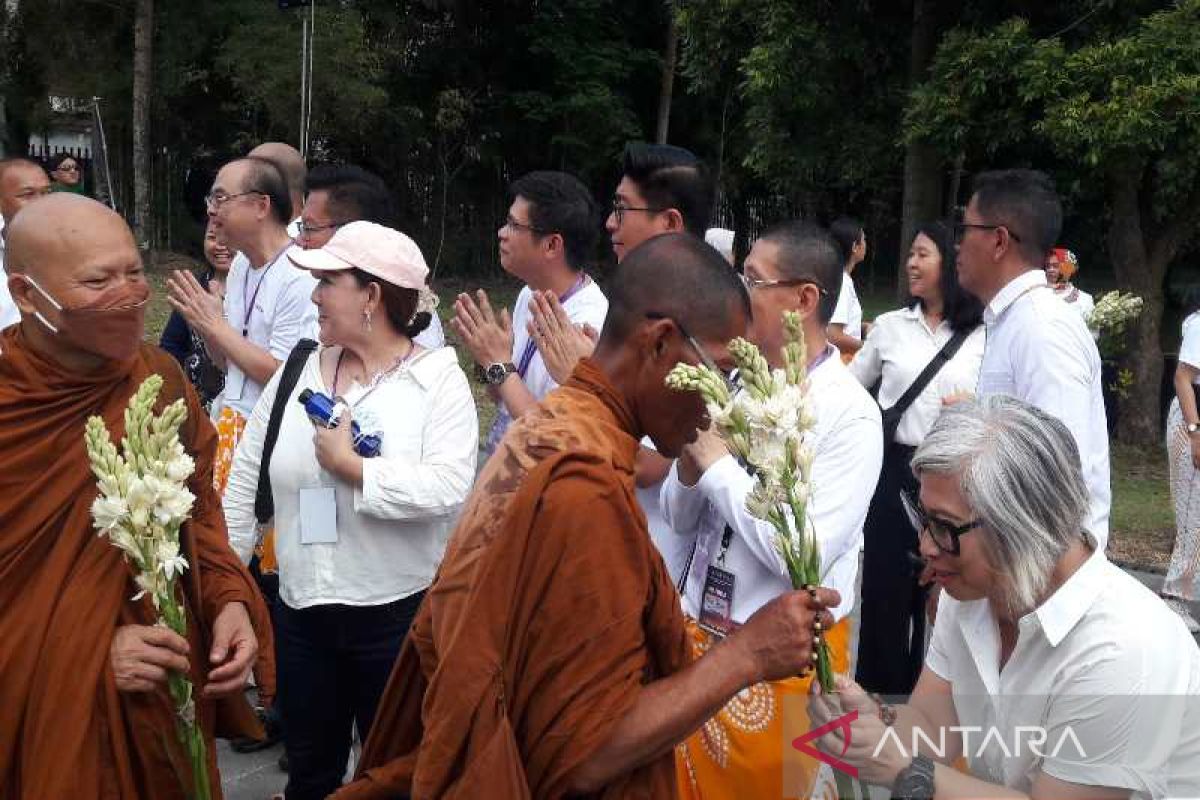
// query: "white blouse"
[[390, 533], [897, 349]]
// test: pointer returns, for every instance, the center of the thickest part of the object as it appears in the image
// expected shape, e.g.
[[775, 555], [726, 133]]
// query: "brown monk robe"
[[549, 658], [83, 717]]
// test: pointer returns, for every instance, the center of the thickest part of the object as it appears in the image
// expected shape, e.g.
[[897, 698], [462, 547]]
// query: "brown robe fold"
[[550, 611], [65, 730]]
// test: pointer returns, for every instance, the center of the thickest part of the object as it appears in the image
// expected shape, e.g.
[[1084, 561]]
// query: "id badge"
[[716, 603], [318, 516]]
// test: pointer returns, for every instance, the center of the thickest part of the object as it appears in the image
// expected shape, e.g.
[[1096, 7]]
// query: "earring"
[[367, 318]]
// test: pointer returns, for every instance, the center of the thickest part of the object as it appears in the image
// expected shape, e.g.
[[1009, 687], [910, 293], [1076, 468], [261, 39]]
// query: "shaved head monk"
[[83, 670], [550, 656]]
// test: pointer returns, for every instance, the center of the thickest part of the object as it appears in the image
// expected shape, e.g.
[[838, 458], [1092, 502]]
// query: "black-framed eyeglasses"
[[761, 283], [961, 228], [310, 230], [509, 222], [618, 210], [944, 534], [705, 358], [215, 200], [67, 168]]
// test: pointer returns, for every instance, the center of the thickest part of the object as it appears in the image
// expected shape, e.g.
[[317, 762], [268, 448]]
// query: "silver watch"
[[916, 781], [1193, 427]]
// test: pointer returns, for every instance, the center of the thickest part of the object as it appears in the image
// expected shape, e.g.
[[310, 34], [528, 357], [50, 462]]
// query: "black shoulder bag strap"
[[892, 415], [264, 503]]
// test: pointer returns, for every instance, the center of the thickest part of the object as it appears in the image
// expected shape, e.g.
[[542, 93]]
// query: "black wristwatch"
[[494, 374], [916, 781]]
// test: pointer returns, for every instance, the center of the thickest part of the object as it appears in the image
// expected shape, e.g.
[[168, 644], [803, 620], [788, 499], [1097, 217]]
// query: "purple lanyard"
[[819, 360], [531, 345], [248, 308]]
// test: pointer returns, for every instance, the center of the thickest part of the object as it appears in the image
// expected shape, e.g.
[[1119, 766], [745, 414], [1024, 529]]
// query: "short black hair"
[[1026, 202], [961, 309], [846, 231], [560, 203], [674, 276], [672, 177], [808, 251], [354, 193], [57, 160], [267, 179]]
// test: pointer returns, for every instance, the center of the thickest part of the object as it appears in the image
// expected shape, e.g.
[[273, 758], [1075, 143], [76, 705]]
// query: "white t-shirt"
[[283, 314], [391, 531], [587, 305], [1038, 350], [898, 348], [849, 455], [1189, 348], [848, 310], [1103, 657], [1080, 301]]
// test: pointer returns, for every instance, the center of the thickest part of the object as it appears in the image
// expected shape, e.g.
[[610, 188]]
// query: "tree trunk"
[[1141, 269], [143, 60], [668, 77], [922, 164]]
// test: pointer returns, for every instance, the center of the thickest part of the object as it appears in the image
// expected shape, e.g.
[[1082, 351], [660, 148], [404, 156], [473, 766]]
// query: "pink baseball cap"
[[382, 252]]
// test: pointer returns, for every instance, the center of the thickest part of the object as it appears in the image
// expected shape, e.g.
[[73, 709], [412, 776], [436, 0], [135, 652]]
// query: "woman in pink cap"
[[358, 535]]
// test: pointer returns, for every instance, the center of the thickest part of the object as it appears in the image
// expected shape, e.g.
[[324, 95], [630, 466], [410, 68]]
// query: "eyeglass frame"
[[705, 358], [618, 209], [924, 522], [753, 284], [214, 201], [307, 230], [509, 222], [961, 228], [64, 168]]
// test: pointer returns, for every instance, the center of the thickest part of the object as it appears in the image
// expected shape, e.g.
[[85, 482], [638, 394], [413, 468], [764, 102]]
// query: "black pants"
[[334, 662], [891, 639]]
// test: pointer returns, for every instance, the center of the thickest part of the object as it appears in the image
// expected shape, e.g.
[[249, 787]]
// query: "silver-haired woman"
[[1053, 672]]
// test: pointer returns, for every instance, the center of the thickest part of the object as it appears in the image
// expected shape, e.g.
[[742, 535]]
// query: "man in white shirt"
[[1038, 349], [21, 182], [338, 194], [794, 266], [545, 242]]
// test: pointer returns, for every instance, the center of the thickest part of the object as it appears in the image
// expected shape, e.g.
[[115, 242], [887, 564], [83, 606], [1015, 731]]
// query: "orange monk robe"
[[65, 730], [550, 611]]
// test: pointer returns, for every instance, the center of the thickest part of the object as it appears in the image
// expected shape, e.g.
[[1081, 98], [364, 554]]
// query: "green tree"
[[1122, 111]]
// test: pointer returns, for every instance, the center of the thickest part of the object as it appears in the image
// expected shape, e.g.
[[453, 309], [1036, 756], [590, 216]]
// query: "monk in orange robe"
[[83, 698], [550, 656]]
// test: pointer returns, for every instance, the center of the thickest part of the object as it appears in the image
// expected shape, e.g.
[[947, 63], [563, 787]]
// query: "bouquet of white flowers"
[[767, 424], [142, 503], [1112, 314]]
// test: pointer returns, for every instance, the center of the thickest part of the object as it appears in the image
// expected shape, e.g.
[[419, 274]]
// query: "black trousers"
[[334, 663], [891, 640]]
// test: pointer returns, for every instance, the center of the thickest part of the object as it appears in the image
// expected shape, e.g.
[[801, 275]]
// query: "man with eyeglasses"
[[337, 194], [21, 182], [1037, 348], [794, 266], [545, 242]]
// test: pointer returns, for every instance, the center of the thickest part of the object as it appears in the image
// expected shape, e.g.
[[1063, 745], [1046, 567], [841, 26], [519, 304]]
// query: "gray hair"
[[1019, 470]]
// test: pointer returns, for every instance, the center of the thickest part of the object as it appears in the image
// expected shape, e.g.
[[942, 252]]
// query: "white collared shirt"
[[1189, 348], [848, 310], [283, 314], [1103, 657], [392, 531], [849, 455], [1038, 350], [898, 348]]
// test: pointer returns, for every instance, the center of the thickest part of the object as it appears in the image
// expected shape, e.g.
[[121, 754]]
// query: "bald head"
[[62, 233], [21, 182], [290, 163], [676, 276]]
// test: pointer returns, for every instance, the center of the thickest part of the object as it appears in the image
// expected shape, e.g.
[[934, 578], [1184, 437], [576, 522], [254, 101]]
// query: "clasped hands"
[[142, 655]]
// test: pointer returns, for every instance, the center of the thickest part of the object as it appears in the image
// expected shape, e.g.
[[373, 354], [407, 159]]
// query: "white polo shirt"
[[1103, 657], [849, 455], [848, 310], [897, 350], [1039, 350], [273, 305]]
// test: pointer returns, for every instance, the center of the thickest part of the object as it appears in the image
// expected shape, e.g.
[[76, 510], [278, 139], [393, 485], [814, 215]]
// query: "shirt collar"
[[915, 314], [427, 366], [1059, 614], [828, 355], [1015, 289]]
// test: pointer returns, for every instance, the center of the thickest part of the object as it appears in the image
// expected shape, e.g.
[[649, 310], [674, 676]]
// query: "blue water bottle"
[[327, 412]]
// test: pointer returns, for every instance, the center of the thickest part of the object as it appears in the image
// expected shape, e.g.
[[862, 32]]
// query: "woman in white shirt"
[[900, 345], [1183, 457], [1061, 266], [358, 539], [1053, 672], [845, 329]]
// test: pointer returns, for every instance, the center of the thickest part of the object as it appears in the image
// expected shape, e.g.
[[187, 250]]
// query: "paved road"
[[256, 776]]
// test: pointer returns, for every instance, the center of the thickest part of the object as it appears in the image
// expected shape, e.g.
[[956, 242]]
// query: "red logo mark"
[[842, 723]]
